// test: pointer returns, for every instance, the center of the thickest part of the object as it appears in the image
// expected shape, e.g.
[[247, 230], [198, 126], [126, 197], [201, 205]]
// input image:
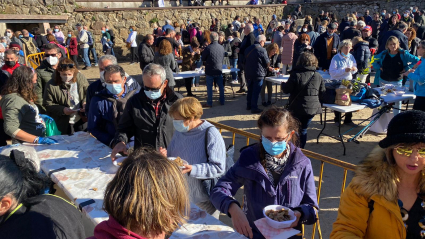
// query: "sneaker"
[[132, 63], [241, 91], [87, 67], [216, 90], [96, 64], [351, 124], [234, 82], [212, 4], [256, 111]]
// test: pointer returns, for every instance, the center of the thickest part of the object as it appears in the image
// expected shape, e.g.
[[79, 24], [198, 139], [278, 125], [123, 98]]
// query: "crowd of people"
[[117, 109]]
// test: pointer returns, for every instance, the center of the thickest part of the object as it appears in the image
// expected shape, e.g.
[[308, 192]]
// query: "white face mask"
[[304, 29], [67, 79], [52, 60], [102, 77], [406, 15], [8, 34]]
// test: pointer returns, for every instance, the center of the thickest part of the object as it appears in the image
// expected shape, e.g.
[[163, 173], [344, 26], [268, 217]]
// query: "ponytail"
[[19, 177]]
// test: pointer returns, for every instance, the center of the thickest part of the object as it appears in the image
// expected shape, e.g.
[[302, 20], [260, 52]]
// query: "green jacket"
[[56, 99], [18, 114], [44, 74]]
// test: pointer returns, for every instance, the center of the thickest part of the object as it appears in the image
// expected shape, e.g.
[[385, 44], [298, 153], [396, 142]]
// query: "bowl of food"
[[279, 217], [180, 162], [118, 162], [399, 93]]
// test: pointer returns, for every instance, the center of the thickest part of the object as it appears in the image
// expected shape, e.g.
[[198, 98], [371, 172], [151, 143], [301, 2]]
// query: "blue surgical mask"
[[20, 36], [107, 29], [383, 14], [414, 10], [345, 55], [4, 44], [103, 31], [275, 148], [394, 13], [131, 30], [153, 95], [330, 34], [179, 126], [69, 35], [56, 30], [114, 88]]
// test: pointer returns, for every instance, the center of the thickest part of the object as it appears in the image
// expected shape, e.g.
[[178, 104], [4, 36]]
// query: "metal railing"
[[312, 155]]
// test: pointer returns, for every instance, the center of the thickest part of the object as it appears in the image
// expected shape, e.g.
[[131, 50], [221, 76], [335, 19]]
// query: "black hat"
[[78, 25], [406, 127]]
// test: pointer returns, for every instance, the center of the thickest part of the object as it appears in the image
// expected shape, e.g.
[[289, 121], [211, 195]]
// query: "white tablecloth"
[[191, 74], [278, 79], [89, 169], [391, 98], [345, 109]]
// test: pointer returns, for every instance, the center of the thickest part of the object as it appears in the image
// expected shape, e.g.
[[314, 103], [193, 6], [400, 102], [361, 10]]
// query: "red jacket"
[[111, 229], [10, 69], [73, 44]]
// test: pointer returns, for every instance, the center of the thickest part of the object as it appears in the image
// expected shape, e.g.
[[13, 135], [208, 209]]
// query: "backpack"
[[90, 36], [31, 48]]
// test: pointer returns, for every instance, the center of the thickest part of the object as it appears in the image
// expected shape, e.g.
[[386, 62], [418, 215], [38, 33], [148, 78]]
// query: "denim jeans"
[[112, 51], [396, 84], [234, 64], [93, 52], [254, 89], [197, 79], [85, 56], [305, 121], [210, 81]]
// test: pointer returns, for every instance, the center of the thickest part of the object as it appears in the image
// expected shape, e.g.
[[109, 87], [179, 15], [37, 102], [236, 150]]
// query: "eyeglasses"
[[153, 89], [407, 151], [47, 55], [66, 65]]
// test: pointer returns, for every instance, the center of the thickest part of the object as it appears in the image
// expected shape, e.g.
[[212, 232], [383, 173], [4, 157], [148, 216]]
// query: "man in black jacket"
[[344, 23], [351, 32], [146, 52], [420, 31], [326, 46], [375, 24], [247, 41], [146, 114], [213, 57], [399, 33]]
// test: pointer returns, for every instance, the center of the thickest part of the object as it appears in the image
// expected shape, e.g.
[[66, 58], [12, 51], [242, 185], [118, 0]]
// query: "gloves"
[[45, 140], [46, 118]]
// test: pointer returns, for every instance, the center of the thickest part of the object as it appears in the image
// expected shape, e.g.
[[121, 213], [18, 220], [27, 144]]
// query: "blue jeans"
[[197, 79], [86, 56], [112, 51], [210, 82], [254, 89], [93, 52], [305, 121], [396, 84], [234, 64]]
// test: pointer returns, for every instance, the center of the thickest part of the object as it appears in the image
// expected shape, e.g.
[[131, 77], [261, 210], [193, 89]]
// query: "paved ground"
[[233, 113]]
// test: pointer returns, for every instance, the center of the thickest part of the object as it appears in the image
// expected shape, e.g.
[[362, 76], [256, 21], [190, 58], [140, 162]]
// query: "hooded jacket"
[[304, 99], [287, 46], [374, 180], [361, 53], [295, 189], [111, 229]]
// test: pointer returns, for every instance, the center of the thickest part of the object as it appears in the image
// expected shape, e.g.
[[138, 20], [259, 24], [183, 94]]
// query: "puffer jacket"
[[213, 57], [55, 100], [361, 53], [304, 99], [287, 47], [375, 180]]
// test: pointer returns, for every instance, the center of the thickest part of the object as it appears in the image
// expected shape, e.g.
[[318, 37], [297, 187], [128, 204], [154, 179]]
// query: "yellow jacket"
[[375, 180]]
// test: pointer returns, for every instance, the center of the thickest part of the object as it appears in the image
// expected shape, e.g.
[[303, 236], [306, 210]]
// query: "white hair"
[[111, 58], [155, 70], [168, 22], [251, 27], [361, 23], [346, 42], [214, 36], [261, 38]]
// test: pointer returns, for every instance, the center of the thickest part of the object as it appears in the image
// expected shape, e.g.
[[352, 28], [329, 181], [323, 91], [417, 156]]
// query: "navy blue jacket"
[[397, 33], [213, 57], [320, 48], [361, 53], [256, 61], [103, 119], [295, 188]]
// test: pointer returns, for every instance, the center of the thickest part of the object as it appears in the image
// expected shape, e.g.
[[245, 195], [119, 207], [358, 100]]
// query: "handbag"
[[128, 44], [209, 184], [343, 96], [293, 100]]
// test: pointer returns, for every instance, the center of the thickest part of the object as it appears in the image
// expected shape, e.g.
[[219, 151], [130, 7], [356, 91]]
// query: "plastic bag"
[[51, 128]]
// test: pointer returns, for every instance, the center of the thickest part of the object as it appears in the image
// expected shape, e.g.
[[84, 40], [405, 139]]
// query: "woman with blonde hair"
[[272, 53], [65, 96], [386, 196], [390, 65], [206, 154], [155, 201], [165, 58]]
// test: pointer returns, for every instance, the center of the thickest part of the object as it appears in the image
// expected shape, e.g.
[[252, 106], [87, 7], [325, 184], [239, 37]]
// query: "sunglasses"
[[66, 65], [407, 151], [153, 89], [47, 55]]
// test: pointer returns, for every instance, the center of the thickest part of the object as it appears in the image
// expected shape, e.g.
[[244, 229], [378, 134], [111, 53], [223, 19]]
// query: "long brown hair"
[[59, 69], [277, 116], [51, 38], [206, 34], [165, 47], [21, 83], [149, 193]]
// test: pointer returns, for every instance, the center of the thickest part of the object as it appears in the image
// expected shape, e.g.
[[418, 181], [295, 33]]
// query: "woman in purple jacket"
[[272, 172]]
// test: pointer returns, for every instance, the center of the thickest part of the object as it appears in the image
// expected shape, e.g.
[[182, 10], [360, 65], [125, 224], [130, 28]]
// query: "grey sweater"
[[170, 65], [190, 146]]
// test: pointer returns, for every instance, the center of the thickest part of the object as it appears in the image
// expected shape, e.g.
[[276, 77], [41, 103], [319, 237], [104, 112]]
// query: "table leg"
[[340, 136], [324, 126], [276, 94]]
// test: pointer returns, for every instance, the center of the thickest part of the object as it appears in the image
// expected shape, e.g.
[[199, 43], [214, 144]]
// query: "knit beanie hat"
[[406, 127], [14, 44]]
